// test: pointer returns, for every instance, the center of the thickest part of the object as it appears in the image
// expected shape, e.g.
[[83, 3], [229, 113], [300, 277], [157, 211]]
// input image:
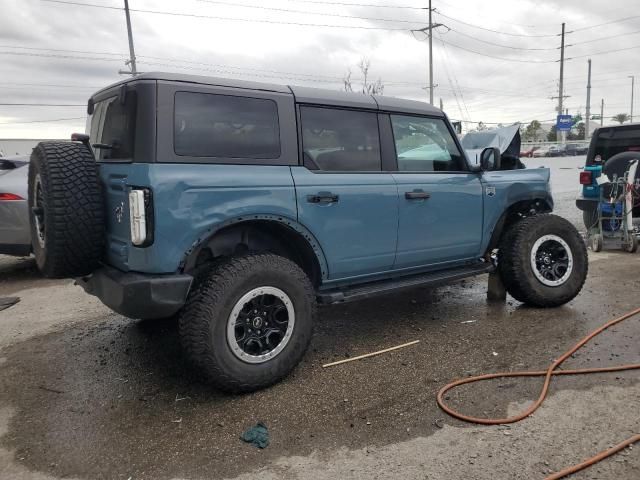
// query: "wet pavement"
[[86, 393]]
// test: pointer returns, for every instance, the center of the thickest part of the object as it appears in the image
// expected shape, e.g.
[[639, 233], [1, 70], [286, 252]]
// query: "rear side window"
[[340, 140], [112, 125], [425, 145], [211, 125]]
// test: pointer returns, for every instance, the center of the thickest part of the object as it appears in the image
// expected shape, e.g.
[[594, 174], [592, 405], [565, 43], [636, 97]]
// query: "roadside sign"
[[564, 123]]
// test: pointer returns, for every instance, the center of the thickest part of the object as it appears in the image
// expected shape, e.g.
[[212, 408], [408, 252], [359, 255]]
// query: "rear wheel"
[[66, 209], [249, 321], [543, 261], [597, 242]]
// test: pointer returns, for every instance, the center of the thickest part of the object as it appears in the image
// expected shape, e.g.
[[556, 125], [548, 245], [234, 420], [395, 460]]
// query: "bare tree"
[[620, 118], [368, 88]]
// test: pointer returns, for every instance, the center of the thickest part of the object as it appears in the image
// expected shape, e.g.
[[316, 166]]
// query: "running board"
[[338, 295]]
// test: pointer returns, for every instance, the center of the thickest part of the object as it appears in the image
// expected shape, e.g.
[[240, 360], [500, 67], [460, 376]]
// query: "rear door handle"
[[323, 197], [417, 195]]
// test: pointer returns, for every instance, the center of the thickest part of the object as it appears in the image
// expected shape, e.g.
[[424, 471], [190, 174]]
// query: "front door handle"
[[417, 195], [323, 197]]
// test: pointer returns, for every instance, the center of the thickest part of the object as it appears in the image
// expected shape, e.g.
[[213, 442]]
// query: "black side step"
[[359, 292]]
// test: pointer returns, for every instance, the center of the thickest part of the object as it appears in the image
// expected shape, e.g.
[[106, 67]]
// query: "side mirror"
[[490, 159]]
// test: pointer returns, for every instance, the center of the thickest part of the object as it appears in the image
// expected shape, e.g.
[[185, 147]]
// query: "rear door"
[[344, 198], [440, 201]]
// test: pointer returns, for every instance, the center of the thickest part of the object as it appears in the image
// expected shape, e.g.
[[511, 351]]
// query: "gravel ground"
[[86, 393]]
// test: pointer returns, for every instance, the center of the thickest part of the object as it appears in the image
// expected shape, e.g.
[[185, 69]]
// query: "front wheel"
[[247, 324], [543, 261]]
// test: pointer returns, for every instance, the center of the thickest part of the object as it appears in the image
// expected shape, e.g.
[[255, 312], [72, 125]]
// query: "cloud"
[[473, 86]]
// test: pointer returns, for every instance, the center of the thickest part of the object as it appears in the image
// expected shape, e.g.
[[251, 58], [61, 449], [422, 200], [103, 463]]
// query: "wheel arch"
[[259, 233], [515, 211]]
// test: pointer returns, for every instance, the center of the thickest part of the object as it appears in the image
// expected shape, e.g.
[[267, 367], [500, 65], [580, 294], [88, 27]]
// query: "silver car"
[[15, 234]]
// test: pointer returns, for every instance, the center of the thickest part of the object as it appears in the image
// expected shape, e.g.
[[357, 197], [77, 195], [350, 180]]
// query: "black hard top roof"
[[301, 94]]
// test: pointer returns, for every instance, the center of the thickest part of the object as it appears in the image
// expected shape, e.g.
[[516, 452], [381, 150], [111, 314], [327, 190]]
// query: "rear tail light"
[[10, 196], [137, 217], [141, 216], [585, 178]]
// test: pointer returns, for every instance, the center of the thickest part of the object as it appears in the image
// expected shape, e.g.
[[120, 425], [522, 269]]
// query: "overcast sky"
[[494, 60]]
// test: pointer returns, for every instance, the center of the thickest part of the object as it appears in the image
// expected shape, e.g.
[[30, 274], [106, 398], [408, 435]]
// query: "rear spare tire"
[[543, 261], [66, 209]]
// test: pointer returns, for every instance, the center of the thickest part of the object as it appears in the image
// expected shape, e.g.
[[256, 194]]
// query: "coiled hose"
[[548, 373]]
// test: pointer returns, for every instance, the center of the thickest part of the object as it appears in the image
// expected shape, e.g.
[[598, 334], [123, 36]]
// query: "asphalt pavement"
[[86, 393]]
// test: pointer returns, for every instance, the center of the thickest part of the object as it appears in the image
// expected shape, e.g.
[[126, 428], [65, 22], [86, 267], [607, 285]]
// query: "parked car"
[[574, 149], [14, 214], [528, 152], [541, 152], [614, 144], [238, 206], [557, 151]]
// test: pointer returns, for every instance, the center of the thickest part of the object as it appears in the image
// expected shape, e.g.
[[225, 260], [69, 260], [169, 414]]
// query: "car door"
[[440, 201], [344, 198]]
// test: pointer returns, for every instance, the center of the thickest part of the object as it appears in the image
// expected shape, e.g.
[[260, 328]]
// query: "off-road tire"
[[203, 320], [71, 197], [514, 261]]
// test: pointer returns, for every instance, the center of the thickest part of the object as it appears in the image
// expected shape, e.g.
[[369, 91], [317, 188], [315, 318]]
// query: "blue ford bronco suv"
[[239, 206]]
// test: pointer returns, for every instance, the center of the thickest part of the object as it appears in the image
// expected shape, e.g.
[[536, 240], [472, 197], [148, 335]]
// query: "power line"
[[43, 121], [43, 104], [233, 19], [48, 85], [497, 44], [407, 7], [306, 12], [604, 38], [499, 58], [602, 53], [51, 55], [494, 31], [60, 50], [624, 19]]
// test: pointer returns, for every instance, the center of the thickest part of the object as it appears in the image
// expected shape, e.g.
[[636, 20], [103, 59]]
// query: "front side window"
[[425, 145], [340, 140], [211, 125], [112, 125]]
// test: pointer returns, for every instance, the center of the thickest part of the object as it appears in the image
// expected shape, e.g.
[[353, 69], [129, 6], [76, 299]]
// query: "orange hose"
[[548, 373]]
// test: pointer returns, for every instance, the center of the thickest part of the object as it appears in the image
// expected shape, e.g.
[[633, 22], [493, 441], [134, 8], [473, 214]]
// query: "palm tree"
[[620, 118]]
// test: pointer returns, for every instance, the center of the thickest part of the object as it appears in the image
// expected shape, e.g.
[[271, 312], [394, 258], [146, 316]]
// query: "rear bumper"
[[137, 295]]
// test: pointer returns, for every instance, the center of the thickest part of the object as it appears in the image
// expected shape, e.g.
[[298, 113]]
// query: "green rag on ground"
[[258, 435]]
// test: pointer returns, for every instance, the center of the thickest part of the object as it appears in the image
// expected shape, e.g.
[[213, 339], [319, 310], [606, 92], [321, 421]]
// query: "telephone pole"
[[561, 86], [132, 53], [430, 56], [601, 111], [588, 113], [633, 78]]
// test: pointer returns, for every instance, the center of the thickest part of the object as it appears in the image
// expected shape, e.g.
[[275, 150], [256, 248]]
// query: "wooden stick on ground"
[[369, 354]]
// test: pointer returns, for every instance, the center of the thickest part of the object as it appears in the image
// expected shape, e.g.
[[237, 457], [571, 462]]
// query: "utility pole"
[[430, 56], [561, 87], [429, 32], [601, 111], [588, 113], [441, 106], [132, 53], [633, 78]]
